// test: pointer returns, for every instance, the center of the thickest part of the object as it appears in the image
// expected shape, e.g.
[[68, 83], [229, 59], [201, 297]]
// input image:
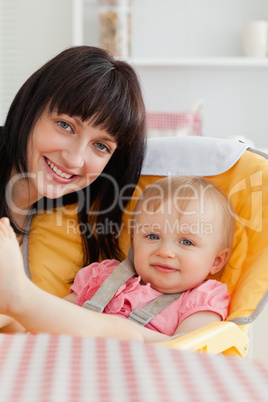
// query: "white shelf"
[[201, 62], [192, 56]]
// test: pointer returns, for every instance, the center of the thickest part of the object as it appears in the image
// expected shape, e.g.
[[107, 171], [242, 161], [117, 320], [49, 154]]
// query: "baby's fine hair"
[[182, 190]]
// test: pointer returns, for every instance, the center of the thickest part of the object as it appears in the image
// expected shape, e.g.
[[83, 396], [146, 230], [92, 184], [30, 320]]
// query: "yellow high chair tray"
[[54, 249]]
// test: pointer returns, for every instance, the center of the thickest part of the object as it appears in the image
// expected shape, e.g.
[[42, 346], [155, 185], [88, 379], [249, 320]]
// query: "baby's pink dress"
[[210, 295]]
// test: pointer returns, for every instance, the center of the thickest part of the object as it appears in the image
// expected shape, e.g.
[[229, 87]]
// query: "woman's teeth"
[[58, 171]]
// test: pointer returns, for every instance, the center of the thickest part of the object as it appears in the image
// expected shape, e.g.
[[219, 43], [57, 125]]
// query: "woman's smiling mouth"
[[57, 173]]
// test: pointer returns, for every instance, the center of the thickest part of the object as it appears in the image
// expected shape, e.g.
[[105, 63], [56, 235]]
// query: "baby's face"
[[176, 251]]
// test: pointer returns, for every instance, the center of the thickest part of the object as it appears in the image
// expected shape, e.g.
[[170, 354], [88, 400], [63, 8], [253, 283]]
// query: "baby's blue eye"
[[153, 237], [186, 242]]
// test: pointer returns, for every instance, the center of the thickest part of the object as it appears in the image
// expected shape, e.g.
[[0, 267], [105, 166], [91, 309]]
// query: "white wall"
[[185, 28], [46, 29], [258, 335], [235, 98], [32, 31]]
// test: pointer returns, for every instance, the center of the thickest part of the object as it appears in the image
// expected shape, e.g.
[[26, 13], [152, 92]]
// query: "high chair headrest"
[[192, 156]]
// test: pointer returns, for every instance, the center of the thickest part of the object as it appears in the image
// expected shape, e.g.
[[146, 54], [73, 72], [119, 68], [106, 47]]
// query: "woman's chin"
[[54, 191]]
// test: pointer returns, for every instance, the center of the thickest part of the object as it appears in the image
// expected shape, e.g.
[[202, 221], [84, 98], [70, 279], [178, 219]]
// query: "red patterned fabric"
[[62, 368], [175, 121]]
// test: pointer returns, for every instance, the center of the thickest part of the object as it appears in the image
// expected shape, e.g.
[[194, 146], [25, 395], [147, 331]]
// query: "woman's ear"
[[220, 260]]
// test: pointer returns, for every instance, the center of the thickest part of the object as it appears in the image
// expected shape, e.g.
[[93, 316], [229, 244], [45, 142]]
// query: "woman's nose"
[[74, 157]]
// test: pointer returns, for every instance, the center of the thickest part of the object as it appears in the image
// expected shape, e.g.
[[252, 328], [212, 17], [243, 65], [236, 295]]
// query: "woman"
[[74, 135], [75, 132]]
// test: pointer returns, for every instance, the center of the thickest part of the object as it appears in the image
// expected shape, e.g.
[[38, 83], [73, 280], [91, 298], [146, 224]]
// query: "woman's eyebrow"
[[111, 139], [78, 121], [104, 137]]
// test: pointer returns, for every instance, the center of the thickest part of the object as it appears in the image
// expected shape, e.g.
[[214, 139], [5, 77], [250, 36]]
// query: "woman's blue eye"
[[186, 242], [103, 147], [64, 125], [153, 237]]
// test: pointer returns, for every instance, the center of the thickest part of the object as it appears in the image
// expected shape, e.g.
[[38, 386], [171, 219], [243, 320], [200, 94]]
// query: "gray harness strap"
[[146, 313], [124, 271], [110, 286]]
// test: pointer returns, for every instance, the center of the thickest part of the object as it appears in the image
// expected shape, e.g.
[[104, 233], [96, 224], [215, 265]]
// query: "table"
[[61, 368]]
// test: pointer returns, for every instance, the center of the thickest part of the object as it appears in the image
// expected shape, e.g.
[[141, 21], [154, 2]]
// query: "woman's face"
[[66, 155]]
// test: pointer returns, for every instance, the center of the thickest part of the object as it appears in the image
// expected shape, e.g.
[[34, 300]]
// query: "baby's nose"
[[165, 250]]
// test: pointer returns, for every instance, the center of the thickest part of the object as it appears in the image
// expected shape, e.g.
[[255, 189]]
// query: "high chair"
[[53, 252], [246, 274]]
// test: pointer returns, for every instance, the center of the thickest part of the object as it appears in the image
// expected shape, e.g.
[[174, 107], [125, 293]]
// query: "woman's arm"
[[151, 336], [194, 321], [39, 311], [148, 335]]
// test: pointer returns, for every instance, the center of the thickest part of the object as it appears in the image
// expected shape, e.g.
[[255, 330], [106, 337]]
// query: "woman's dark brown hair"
[[87, 82]]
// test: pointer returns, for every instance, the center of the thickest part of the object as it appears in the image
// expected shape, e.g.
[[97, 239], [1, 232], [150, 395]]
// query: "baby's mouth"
[[59, 172], [164, 268]]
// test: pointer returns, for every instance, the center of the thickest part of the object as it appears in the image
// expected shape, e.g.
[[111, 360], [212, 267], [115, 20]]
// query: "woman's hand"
[[9, 325]]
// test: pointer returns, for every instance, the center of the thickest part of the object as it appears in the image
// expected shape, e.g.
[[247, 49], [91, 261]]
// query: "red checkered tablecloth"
[[46, 368]]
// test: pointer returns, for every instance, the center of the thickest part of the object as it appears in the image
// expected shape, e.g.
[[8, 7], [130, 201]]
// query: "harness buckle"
[[140, 316], [93, 306]]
